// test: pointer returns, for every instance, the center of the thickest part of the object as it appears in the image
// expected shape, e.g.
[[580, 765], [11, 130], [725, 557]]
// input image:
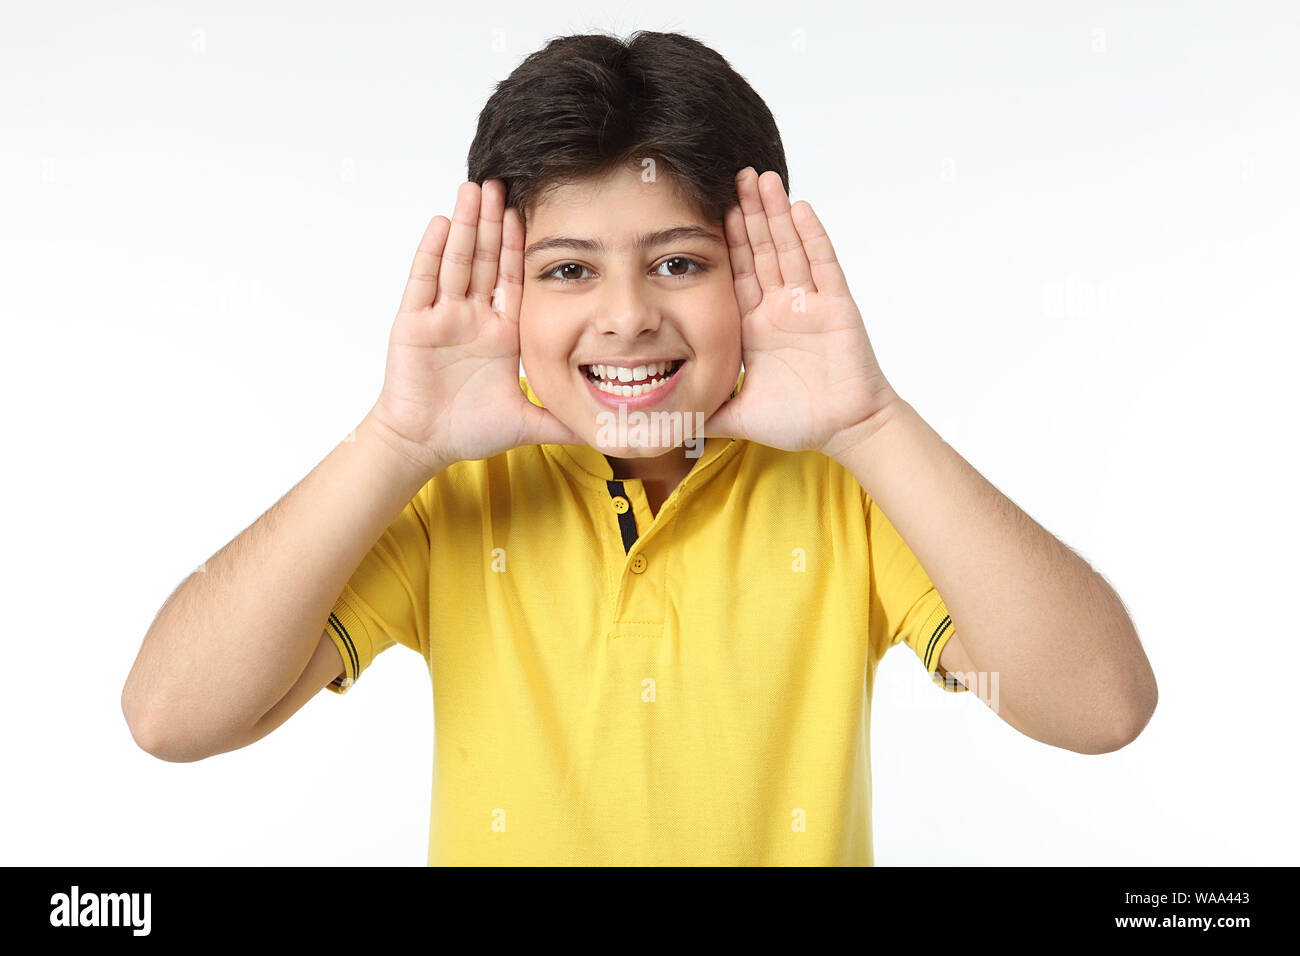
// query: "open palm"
[[451, 384], [810, 371]]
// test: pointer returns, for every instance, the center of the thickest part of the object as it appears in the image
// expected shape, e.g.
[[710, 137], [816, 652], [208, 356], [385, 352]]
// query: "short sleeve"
[[904, 606], [386, 600]]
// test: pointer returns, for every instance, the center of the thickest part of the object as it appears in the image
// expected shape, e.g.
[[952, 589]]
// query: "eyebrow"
[[643, 241]]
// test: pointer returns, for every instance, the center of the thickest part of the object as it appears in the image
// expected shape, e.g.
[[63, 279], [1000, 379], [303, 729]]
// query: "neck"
[[660, 474]]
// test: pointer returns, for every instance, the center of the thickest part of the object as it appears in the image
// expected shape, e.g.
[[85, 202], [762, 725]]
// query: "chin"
[[645, 433], [635, 452]]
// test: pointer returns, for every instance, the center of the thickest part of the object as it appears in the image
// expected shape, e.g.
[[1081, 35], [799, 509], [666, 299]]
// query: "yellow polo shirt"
[[612, 687]]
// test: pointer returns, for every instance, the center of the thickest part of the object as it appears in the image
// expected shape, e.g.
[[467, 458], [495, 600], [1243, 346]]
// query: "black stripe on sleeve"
[[342, 632], [934, 639]]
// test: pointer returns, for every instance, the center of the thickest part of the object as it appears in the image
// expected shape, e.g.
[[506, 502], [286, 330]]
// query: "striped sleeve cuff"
[[353, 641], [937, 631]]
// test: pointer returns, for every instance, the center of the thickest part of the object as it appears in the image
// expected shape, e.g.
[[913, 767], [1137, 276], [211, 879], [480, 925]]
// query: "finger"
[[458, 256], [789, 247], [766, 266], [509, 292], [826, 271], [748, 291], [422, 283], [487, 242]]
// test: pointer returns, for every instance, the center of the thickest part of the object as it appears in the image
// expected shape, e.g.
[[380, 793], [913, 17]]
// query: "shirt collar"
[[590, 464]]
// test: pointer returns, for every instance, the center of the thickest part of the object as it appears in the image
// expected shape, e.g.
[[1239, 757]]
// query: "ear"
[[740, 378]]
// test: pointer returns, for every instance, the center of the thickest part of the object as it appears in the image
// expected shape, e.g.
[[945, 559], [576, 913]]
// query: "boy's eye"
[[682, 263], [679, 262], [565, 266]]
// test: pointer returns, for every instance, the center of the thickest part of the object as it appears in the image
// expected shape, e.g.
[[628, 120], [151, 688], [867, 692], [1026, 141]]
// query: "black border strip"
[[187, 901]]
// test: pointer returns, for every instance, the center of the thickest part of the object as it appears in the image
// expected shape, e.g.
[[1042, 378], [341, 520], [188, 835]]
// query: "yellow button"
[[620, 504], [638, 563]]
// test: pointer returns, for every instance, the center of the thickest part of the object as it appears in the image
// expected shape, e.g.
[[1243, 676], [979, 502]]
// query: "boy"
[[651, 585]]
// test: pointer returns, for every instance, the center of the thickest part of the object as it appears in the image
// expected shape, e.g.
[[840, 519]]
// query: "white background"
[[1071, 228]]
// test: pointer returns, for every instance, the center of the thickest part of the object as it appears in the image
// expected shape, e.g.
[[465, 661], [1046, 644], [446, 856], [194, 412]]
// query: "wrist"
[[408, 458], [848, 443]]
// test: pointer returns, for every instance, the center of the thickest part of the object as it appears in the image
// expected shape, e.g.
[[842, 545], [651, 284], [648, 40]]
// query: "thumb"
[[727, 421], [543, 428]]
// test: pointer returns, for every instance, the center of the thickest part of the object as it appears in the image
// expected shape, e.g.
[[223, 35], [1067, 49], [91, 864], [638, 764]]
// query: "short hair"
[[586, 104]]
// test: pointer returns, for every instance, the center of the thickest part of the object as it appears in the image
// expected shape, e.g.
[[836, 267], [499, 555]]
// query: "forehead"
[[622, 201], [618, 212]]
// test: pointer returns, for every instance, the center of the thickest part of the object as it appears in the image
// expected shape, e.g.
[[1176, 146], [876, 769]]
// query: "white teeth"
[[631, 391], [652, 375]]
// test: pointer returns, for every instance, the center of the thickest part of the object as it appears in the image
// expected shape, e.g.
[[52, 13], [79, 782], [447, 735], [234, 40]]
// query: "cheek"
[[543, 347], [533, 328], [722, 336], [532, 352], [724, 316], [526, 349]]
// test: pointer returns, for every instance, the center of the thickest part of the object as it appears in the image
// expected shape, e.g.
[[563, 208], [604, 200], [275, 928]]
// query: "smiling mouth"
[[630, 382]]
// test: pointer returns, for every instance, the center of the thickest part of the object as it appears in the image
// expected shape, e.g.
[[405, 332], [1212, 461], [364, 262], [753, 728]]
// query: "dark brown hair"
[[585, 104]]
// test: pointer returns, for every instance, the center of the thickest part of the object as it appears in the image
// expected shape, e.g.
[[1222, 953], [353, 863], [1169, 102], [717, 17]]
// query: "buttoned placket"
[[639, 589]]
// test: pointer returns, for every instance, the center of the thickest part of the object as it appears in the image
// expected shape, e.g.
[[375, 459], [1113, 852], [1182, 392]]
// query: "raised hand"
[[812, 381], [451, 385]]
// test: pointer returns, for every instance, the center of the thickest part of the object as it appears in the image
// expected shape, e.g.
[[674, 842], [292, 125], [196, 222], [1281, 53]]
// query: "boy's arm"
[[228, 651], [326, 664], [1028, 609], [957, 664], [1070, 669]]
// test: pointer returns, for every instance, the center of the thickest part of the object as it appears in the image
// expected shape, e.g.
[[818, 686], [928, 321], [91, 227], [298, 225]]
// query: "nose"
[[626, 309]]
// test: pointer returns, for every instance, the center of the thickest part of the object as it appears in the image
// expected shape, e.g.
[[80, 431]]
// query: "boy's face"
[[671, 300]]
